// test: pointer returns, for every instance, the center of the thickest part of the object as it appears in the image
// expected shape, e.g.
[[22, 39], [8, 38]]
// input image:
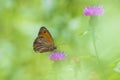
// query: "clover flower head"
[[93, 11], [57, 56]]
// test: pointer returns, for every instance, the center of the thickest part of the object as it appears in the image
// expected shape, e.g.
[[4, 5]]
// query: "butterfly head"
[[53, 47]]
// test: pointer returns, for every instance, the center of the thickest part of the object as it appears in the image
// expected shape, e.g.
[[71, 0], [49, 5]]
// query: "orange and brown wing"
[[44, 33], [44, 41]]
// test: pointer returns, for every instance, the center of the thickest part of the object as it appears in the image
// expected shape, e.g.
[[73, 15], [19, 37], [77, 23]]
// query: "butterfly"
[[44, 41]]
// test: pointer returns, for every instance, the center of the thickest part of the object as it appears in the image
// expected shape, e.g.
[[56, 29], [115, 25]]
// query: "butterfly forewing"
[[44, 33], [44, 41]]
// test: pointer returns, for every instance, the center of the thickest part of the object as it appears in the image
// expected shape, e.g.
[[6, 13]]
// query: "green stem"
[[94, 45], [96, 52]]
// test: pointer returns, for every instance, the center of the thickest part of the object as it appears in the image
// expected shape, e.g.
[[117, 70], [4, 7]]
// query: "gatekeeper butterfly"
[[44, 41]]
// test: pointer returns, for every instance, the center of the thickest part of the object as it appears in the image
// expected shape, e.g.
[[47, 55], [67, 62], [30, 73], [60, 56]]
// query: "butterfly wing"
[[44, 41]]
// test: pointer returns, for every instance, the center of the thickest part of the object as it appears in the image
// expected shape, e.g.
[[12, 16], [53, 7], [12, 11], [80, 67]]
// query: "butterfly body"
[[44, 41]]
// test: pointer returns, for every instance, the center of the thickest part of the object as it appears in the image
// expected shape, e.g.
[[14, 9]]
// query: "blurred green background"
[[20, 21]]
